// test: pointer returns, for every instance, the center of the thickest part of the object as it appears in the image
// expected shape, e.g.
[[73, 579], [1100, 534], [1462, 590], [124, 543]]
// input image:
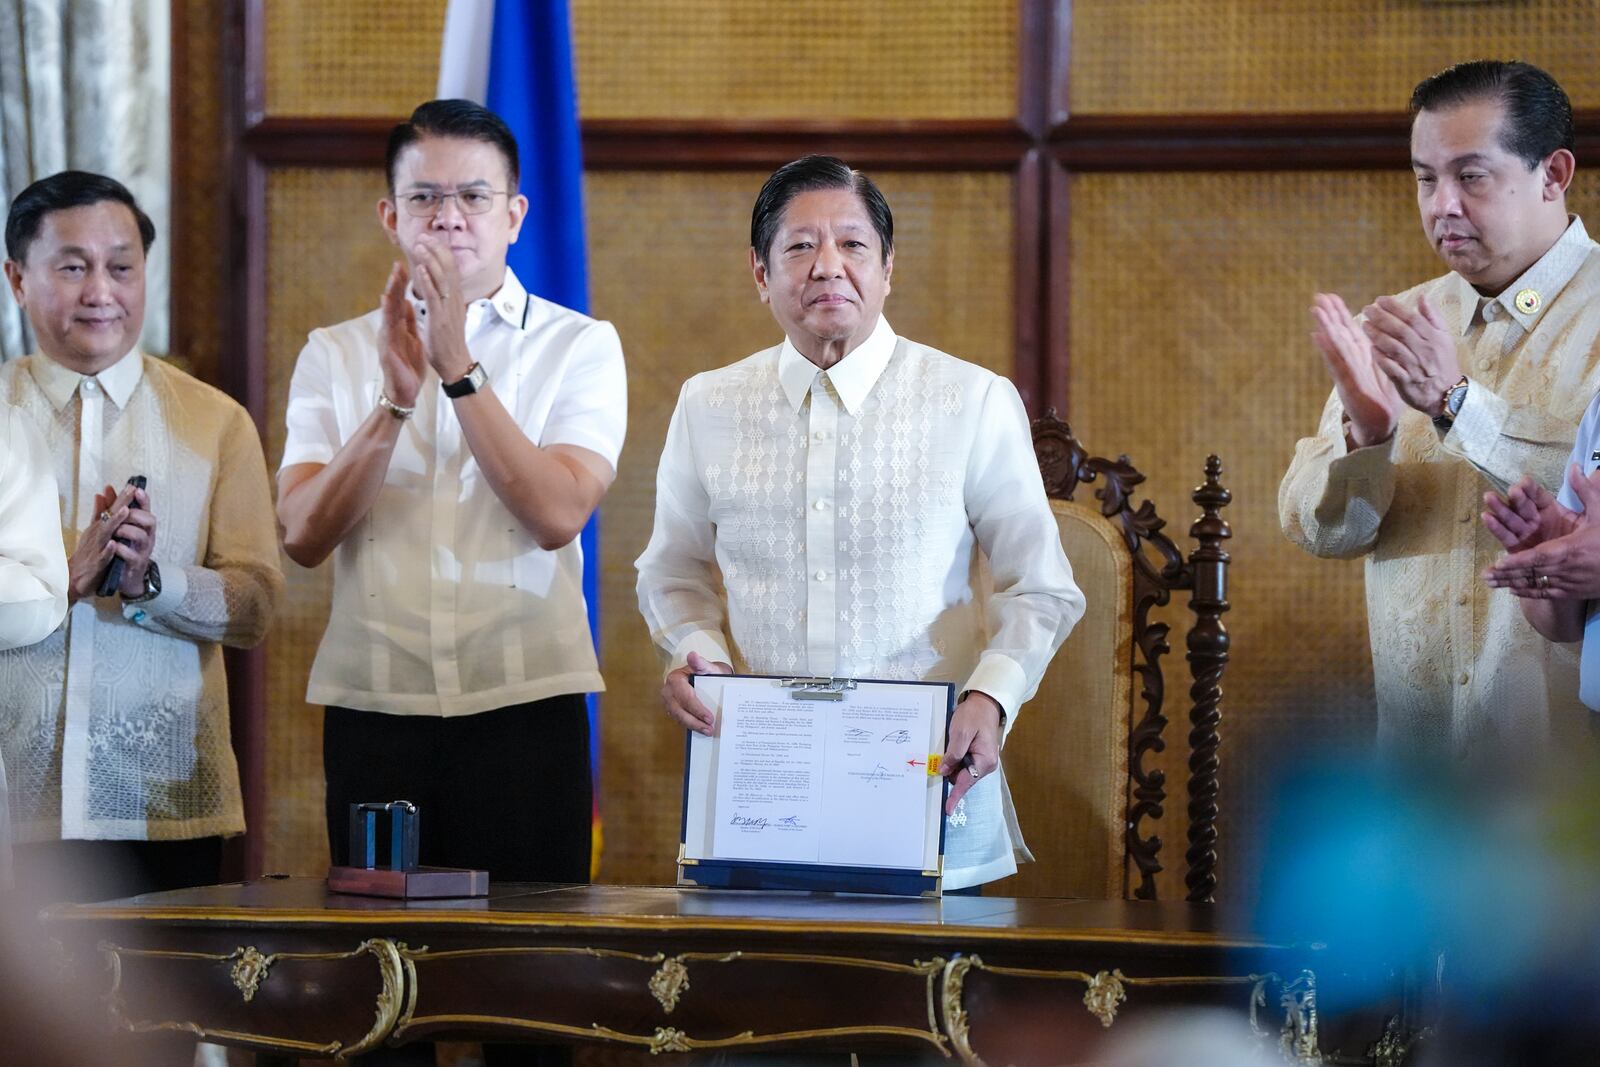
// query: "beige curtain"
[[84, 85]]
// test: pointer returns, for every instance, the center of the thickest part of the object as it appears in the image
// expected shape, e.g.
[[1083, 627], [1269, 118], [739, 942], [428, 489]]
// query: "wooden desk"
[[283, 967]]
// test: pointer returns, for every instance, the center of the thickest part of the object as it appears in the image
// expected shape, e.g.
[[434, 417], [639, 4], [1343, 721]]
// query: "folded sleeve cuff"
[[174, 587], [1477, 426], [1365, 464], [708, 644], [1002, 678]]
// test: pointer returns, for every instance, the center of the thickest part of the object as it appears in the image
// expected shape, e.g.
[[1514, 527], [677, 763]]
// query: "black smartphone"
[[112, 578]]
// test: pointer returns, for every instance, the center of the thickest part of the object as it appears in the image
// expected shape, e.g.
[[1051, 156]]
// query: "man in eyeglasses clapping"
[[446, 450]]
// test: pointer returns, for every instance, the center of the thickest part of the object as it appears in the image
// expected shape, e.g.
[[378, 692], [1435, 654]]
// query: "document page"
[[769, 775], [875, 784], [834, 782]]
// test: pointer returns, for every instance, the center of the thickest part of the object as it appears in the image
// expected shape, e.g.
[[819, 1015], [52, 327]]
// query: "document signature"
[[898, 737], [759, 823], [880, 773], [856, 733]]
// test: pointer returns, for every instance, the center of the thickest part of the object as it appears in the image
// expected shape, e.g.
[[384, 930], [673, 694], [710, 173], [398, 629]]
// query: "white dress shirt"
[[1586, 455], [443, 604], [116, 725], [33, 561], [843, 511]]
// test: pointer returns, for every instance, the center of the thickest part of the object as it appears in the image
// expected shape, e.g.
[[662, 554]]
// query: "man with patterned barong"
[[839, 487], [1460, 385], [115, 727]]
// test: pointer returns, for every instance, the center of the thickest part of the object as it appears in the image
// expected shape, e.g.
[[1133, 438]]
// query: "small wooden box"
[[421, 883]]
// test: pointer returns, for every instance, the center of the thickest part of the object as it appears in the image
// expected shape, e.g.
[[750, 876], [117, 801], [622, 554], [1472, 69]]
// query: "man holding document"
[[839, 487]]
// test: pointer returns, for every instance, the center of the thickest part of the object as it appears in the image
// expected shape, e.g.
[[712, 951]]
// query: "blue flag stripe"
[[532, 87]]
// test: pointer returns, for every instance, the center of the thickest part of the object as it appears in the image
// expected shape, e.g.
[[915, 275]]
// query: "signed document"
[[831, 782]]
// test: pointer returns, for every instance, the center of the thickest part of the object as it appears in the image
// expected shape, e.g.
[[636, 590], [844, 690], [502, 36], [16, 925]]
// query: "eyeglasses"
[[426, 204]]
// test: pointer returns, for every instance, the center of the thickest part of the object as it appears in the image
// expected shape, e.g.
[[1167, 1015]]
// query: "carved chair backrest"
[[1082, 759]]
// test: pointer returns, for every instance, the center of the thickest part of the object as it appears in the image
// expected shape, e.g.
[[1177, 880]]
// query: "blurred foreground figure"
[[1188, 1039], [1480, 893]]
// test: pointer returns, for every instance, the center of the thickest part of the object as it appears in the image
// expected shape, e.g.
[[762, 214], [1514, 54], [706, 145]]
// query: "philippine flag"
[[515, 58]]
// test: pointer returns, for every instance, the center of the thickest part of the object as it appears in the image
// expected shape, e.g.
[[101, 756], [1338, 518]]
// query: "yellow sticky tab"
[[933, 763]]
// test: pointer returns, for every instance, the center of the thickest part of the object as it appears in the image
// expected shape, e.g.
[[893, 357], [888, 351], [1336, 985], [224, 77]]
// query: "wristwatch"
[[152, 585], [475, 379], [1450, 404]]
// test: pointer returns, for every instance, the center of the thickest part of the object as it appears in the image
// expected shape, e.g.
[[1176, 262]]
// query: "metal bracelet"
[[394, 409]]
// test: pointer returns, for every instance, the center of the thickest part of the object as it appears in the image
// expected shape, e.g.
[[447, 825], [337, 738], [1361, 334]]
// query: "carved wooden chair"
[[1086, 767]]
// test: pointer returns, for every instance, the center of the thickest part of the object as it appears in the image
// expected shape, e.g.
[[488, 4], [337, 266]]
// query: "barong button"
[[1465, 678], [822, 576]]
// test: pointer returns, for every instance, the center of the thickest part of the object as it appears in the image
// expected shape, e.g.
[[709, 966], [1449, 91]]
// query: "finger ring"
[[972, 770], [105, 516], [1544, 581]]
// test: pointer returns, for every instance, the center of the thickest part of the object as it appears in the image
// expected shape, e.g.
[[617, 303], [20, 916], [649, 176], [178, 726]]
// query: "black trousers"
[[506, 791]]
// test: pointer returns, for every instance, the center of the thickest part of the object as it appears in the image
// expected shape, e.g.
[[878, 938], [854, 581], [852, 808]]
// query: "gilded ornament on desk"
[[669, 982], [249, 970], [1105, 992], [669, 1040]]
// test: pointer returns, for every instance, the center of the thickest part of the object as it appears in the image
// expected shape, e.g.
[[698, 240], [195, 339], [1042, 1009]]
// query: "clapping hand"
[[1366, 392], [400, 350], [1555, 552]]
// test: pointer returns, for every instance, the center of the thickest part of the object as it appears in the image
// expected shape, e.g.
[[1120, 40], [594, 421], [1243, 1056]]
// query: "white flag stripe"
[[464, 53]]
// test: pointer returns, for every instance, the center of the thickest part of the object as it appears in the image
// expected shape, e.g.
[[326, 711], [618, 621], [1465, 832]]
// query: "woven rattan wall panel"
[[1189, 334], [355, 57], [326, 262], [1167, 56], [822, 60], [668, 265]]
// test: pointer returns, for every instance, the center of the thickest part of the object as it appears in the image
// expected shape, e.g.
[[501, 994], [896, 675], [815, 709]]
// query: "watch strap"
[[152, 585], [1450, 404], [467, 384]]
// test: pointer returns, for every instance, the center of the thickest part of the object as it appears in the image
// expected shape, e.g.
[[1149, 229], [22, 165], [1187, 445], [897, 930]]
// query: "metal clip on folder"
[[818, 688]]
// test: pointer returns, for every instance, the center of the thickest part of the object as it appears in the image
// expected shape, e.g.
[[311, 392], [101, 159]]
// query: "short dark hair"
[[1538, 113], [59, 192], [455, 118], [804, 175]]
